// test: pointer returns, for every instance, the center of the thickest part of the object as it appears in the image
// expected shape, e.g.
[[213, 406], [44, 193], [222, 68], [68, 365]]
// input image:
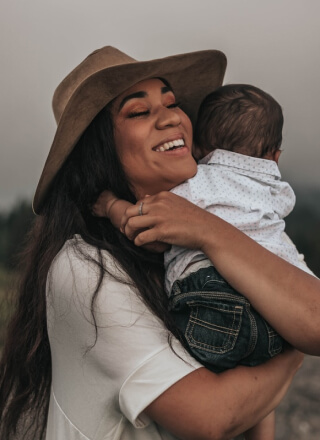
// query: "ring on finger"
[[140, 208]]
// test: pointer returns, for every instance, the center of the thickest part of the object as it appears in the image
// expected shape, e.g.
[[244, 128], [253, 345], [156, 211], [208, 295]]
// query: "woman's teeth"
[[169, 145]]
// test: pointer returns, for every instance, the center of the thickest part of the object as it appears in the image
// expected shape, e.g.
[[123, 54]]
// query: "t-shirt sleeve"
[[151, 378], [143, 363], [131, 357]]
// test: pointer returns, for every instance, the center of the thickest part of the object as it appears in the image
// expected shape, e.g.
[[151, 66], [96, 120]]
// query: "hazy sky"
[[273, 44]]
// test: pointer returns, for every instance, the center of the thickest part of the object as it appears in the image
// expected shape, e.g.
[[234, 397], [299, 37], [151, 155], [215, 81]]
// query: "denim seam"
[[210, 348], [254, 332], [218, 295], [272, 334]]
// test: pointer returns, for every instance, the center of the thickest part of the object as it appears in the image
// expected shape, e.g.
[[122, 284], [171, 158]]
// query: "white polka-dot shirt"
[[246, 192]]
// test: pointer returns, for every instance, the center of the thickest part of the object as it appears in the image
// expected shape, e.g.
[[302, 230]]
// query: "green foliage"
[[303, 227], [13, 228]]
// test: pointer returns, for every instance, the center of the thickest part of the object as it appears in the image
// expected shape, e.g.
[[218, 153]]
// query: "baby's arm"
[[263, 430], [109, 206]]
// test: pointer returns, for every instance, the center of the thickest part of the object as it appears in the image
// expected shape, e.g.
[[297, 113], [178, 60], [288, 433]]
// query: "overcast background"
[[272, 44]]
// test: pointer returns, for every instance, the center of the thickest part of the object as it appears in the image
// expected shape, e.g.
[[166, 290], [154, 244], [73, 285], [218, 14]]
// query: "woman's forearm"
[[204, 405], [284, 295], [287, 297]]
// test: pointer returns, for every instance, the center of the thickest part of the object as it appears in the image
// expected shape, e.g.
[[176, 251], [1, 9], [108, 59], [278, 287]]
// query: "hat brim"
[[192, 76]]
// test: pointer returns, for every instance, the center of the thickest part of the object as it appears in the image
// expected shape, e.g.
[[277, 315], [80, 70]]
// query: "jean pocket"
[[214, 325], [275, 341]]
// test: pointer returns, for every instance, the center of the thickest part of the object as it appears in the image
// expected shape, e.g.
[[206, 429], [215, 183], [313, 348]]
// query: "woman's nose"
[[167, 117]]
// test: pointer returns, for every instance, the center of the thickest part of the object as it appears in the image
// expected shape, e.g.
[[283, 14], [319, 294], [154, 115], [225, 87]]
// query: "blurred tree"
[[13, 229], [302, 225]]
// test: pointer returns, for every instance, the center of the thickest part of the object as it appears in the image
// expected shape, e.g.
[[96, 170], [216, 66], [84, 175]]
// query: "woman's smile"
[[153, 137], [171, 145]]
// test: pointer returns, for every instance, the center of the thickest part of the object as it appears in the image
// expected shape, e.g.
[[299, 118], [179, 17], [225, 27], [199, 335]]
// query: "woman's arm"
[[264, 430], [287, 297], [133, 367], [204, 405]]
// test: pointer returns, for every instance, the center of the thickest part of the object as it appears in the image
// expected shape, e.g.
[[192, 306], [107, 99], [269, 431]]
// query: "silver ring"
[[140, 208]]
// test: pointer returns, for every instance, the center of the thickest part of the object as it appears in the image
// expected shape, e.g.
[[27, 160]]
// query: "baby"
[[238, 135], [240, 126]]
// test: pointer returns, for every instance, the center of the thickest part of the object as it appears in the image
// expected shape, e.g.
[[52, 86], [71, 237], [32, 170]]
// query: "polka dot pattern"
[[248, 193]]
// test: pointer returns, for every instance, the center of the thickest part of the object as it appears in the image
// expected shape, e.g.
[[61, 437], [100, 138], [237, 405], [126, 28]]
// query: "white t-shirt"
[[248, 193], [101, 395]]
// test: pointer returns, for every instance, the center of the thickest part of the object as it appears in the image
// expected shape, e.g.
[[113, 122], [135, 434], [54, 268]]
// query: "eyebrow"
[[141, 94]]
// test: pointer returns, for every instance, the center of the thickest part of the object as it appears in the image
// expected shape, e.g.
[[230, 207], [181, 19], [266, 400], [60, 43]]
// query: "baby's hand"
[[104, 202], [109, 206]]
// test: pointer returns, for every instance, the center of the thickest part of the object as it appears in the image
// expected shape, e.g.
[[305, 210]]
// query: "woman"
[[97, 299]]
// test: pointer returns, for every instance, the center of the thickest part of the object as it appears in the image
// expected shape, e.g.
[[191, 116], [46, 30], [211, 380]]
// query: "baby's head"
[[240, 118]]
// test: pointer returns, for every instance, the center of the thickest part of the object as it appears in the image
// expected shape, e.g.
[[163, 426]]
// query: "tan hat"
[[107, 73]]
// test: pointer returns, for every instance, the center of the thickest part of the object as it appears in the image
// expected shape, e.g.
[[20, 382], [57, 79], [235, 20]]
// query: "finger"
[[130, 212], [98, 210], [94, 211], [136, 224], [140, 209], [148, 236], [157, 247]]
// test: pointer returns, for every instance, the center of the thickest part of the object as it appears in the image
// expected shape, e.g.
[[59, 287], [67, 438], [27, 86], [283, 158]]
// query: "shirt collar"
[[242, 162]]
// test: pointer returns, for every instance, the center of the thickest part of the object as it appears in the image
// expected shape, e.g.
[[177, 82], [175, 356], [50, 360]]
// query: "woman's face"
[[153, 138]]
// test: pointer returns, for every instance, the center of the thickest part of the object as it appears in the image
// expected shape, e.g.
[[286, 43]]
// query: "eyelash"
[[174, 105], [138, 114]]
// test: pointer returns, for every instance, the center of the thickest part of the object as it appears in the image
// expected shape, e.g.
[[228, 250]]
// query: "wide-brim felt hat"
[[104, 75]]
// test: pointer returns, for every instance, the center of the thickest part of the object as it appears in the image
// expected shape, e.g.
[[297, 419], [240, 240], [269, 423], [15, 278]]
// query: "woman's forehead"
[[146, 84]]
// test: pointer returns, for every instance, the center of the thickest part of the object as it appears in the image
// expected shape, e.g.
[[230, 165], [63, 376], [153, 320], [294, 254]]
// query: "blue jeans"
[[219, 325]]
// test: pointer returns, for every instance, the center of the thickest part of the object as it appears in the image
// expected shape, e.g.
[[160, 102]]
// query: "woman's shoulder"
[[84, 259], [81, 268], [76, 277]]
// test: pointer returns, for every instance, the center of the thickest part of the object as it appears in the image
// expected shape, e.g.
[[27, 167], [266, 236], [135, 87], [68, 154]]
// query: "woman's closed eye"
[[174, 105], [136, 114], [142, 113]]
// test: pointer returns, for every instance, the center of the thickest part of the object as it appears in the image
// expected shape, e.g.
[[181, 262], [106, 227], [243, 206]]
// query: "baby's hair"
[[239, 118]]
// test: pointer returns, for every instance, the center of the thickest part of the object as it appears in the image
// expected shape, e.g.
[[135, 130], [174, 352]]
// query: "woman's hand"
[[168, 218], [109, 206], [287, 297]]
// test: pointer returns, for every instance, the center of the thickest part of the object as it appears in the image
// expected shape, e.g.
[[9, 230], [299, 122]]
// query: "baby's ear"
[[276, 156]]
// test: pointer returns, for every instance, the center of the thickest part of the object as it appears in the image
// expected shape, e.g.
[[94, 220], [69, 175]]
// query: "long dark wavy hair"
[[25, 367]]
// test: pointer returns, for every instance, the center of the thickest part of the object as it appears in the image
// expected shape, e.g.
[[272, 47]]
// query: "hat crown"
[[98, 60]]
